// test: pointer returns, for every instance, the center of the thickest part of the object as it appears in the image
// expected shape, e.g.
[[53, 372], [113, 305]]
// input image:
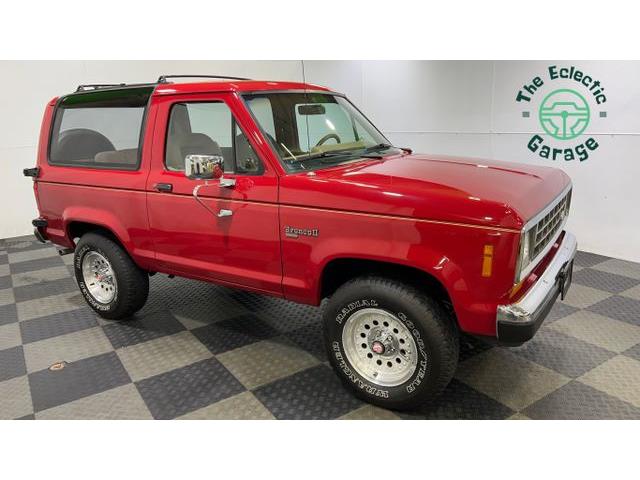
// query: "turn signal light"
[[487, 260]]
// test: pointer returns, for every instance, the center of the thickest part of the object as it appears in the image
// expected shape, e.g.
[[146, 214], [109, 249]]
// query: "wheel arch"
[[338, 271], [77, 228]]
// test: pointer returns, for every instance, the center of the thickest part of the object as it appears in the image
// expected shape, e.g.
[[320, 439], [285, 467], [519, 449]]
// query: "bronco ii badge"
[[293, 232], [563, 113]]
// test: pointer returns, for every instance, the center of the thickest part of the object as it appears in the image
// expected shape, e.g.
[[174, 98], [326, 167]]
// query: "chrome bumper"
[[518, 322]]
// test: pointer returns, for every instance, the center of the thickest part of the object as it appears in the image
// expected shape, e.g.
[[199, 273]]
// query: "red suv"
[[287, 189]]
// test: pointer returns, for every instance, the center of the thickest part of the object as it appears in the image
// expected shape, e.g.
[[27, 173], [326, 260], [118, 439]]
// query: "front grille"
[[548, 226]]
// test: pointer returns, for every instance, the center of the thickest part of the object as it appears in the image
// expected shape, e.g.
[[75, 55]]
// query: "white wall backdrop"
[[457, 107]]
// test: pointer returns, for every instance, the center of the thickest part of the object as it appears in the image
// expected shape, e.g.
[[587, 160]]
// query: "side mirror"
[[203, 167]]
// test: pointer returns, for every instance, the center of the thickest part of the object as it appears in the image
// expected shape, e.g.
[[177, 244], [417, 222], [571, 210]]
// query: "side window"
[[262, 110], [247, 162], [208, 128], [99, 129]]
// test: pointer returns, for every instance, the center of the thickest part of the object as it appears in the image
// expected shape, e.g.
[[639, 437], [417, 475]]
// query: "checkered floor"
[[201, 351]]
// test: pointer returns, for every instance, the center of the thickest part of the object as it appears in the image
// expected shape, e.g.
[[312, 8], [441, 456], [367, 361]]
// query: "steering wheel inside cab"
[[328, 136]]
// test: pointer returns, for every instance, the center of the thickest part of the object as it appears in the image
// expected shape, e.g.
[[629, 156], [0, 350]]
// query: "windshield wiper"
[[380, 146], [329, 154]]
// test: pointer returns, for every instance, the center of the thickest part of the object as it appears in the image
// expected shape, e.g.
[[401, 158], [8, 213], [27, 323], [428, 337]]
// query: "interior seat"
[[80, 144], [127, 156], [181, 145]]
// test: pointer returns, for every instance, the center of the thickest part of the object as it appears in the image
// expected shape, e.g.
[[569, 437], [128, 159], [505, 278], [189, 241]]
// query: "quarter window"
[[208, 128], [100, 129]]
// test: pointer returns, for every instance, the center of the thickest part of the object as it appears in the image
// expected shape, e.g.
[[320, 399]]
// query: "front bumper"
[[518, 322]]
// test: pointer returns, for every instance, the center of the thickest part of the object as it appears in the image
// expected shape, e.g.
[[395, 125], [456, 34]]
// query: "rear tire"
[[113, 286], [391, 344]]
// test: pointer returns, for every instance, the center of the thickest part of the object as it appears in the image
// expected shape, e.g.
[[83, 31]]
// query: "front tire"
[[391, 344], [113, 286]]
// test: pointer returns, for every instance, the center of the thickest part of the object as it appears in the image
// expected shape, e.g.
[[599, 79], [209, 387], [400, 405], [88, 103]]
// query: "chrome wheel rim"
[[99, 277], [379, 347]]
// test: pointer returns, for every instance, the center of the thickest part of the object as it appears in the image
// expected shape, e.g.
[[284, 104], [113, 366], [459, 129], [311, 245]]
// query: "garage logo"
[[563, 113]]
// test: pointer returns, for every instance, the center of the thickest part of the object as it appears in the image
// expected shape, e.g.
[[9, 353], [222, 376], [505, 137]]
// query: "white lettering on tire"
[[344, 312], [370, 389]]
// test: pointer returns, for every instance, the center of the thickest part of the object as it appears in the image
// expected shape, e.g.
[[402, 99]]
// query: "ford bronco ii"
[[287, 189]]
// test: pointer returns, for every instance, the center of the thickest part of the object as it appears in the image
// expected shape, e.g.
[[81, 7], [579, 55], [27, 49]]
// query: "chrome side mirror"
[[203, 167]]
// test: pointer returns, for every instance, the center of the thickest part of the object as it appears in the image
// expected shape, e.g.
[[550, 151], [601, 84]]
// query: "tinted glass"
[[315, 130], [208, 128], [99, 129]]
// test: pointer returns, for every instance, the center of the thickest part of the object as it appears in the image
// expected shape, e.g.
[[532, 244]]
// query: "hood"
[[454, 189]]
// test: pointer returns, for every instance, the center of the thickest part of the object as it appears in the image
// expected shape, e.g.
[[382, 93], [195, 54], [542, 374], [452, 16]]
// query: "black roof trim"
[[163, 78]]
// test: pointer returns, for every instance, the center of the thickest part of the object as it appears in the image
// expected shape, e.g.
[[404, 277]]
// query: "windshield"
[[315, 130]]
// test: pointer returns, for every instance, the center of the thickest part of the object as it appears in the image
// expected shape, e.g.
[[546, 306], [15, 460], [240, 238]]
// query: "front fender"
[[450, 253]]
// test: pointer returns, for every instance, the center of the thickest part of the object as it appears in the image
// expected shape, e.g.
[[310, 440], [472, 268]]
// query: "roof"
[[232, 86], [111, 93]]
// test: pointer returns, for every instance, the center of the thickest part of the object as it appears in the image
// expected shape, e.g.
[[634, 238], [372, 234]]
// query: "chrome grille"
[[548, 226]]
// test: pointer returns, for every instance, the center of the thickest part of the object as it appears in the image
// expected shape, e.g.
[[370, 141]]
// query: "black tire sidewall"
[[80, 253], [413, 315]]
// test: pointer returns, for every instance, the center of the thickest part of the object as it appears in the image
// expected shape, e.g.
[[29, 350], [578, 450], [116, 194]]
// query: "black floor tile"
[[586, 259], [13, 241], [42, 328], [39, 264], [620, 308], [144, 327], [199, 301], [5, 282], [286, 316], [77, 380], [12, 363], [233, 333], [609, 282], [8, 314], [564, 354], [180, 391], [26, 244], [558, 311], [315, 393], [281, 314], [576, 401], [44, 289], [309, 338], [459, 401]]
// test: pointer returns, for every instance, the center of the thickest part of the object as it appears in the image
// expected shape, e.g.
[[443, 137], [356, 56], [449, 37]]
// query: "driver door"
[[229, 234]]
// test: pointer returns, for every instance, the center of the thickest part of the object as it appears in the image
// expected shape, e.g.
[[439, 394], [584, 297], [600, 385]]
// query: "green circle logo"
[[564, 114]]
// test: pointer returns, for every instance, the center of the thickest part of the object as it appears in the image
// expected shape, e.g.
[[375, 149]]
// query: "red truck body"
[[435, 216]]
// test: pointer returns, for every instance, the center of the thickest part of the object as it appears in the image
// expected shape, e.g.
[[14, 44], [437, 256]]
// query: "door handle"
[[164, 187], [224, 213], [227, 182]]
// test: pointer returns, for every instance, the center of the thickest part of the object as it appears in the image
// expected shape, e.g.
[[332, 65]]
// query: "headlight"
[[524, 257]]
